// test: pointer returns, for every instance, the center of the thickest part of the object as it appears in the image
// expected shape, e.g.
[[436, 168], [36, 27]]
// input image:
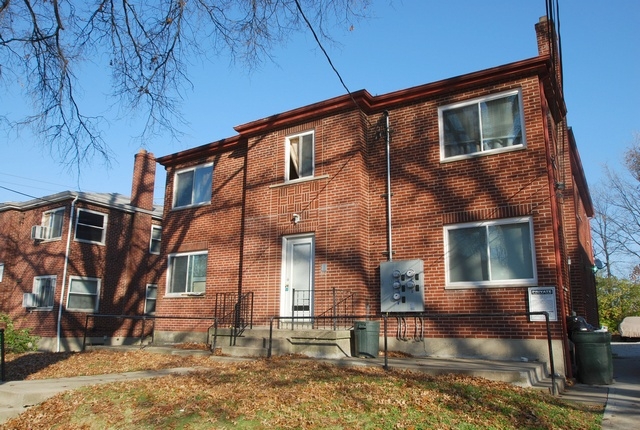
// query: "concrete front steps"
[[308, 342]]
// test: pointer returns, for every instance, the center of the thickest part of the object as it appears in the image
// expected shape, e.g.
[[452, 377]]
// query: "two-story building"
[[456, 207], [71, 254]]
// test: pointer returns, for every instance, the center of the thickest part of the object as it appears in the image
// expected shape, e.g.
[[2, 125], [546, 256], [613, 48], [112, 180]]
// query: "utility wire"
[[327, 55]]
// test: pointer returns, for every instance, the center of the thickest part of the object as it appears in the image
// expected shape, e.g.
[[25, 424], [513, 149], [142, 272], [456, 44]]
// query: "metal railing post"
[[2, 369]]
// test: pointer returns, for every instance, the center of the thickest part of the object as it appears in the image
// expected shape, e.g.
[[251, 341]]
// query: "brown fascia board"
[[580, 177], [369, 104], [201, 151]]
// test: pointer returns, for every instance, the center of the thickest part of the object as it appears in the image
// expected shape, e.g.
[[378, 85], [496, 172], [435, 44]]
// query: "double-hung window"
[[84, 294], [491, 253], [187, 273], [150, 299], [192, 186], [52, 223], [154, 244], [91, 226], [488, 124], [44, 288], [299, 156]]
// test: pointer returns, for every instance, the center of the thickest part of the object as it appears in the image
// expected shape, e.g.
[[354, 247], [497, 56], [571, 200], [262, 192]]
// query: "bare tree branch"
[[150, 47]]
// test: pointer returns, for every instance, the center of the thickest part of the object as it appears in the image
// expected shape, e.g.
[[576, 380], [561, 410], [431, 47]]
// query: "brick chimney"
[[144, 176], [548, 44]]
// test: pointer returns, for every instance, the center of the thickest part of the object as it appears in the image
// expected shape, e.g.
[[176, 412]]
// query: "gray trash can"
[[593, 357], [366, 339]]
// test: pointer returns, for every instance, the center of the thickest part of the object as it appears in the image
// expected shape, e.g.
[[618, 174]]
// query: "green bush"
[[17, 341]]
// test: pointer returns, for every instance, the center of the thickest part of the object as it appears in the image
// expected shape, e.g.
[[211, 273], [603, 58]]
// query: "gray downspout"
[[64, 273], [388, 142]]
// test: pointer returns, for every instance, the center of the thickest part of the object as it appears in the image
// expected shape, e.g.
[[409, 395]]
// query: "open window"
[[299, 156]]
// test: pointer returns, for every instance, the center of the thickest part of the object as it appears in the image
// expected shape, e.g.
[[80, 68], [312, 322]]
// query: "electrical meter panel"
[[402, 286]]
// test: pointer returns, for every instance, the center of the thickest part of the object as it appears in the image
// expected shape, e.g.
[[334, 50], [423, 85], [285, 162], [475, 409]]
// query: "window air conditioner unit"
[[38, 232], [29, 300]]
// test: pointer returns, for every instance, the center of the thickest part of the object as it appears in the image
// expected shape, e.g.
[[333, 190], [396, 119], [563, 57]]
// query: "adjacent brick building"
[[71, 254], [463, 196]]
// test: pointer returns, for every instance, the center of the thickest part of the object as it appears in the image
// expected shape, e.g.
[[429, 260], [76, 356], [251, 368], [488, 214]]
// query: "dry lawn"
[[283, 393]]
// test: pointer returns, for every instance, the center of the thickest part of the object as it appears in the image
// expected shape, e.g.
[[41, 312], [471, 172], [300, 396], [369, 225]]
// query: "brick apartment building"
[[463, 196], [71, 254]]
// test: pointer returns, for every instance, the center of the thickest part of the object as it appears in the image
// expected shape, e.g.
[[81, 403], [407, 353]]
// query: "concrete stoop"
[[312, 343]]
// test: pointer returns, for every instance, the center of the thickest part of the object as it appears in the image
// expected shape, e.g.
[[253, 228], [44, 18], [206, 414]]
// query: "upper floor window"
[[154, 244], [299, 156], [83, 294], [481, 125], [91, 226], [44, 288], [491, 253], [187, 273], [193, 186], [52, 223]]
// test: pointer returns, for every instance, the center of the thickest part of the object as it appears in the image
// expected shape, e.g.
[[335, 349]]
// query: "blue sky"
[[405, 43]]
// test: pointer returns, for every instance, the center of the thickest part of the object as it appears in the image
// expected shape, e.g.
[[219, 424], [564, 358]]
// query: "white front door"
[[296, 298]]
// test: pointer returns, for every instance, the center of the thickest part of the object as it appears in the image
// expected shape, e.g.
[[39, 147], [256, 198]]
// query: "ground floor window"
[[83, 294], [44, 288], [490, 253], [187, 273], [150, 299]]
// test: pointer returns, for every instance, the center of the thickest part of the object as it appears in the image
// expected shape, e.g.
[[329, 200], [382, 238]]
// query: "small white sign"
[[542, 299]]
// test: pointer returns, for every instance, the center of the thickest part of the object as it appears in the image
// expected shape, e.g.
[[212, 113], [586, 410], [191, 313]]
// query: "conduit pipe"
[[388, 154], [64, 273]]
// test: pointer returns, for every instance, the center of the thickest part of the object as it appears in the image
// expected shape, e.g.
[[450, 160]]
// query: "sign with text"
[[542, 299]]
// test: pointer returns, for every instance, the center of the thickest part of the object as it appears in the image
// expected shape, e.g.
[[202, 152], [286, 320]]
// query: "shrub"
[[17, 341]]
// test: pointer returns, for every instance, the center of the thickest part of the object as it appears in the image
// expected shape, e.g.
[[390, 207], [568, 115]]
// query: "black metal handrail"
[[385, 317], [341, 302], [153, 318], [234, 313]]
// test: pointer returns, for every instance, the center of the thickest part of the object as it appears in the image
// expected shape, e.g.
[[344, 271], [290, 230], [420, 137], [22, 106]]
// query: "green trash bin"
[[366, 339], [593, 357]]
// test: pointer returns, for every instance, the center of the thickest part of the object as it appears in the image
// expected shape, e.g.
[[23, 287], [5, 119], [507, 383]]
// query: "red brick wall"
[[214, 227], [123, 264], [345, 209]]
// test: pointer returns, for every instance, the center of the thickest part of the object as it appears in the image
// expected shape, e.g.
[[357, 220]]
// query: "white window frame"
[[189, 282], [490, 283], [288, 156], [105, 218], [483, 151], [147, 298], [153, 241], [96, 295], [38, 292], [1, 271], [176, 187], [48, 218]]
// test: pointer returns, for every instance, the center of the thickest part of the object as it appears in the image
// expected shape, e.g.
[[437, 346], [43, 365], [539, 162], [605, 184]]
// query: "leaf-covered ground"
[[285, 393]]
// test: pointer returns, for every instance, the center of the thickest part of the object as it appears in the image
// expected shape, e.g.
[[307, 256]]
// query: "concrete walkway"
[[623, 402], [622, 399]]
